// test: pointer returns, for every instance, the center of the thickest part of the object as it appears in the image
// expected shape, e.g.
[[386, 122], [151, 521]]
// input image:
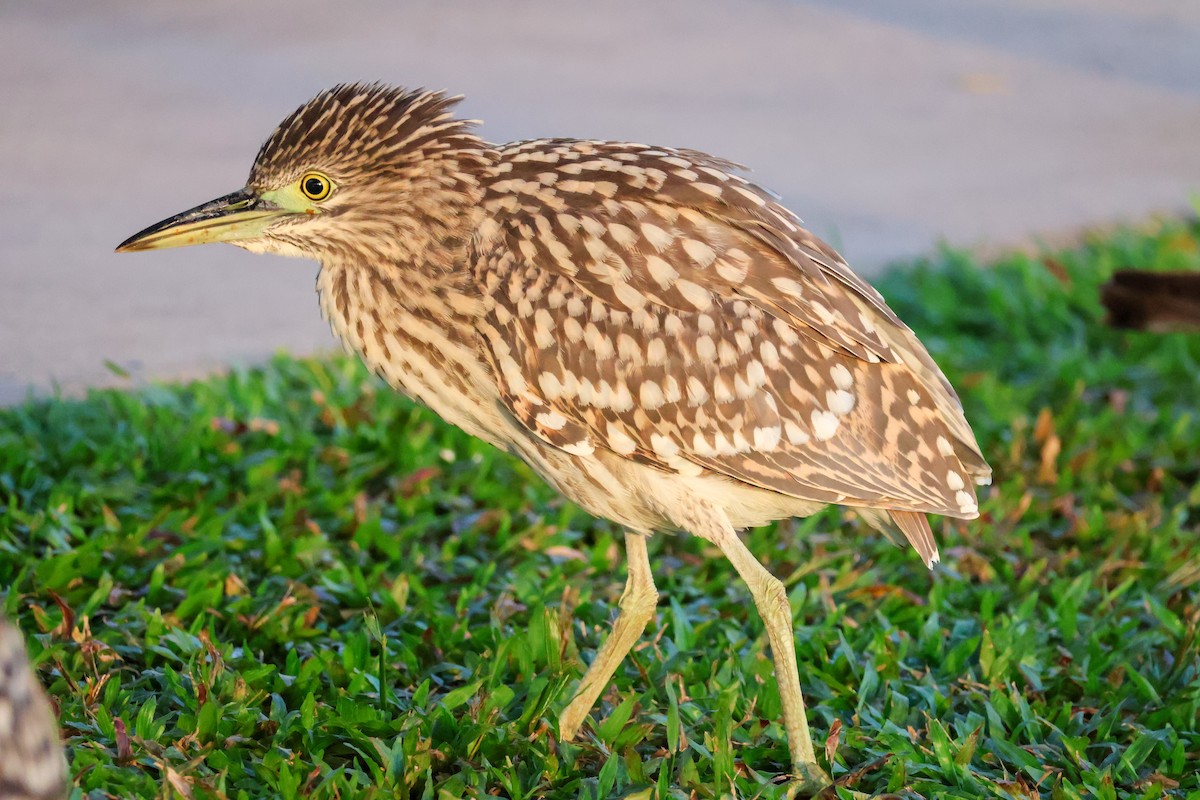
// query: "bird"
[[657, 336], [32, 764], [1159, 302]]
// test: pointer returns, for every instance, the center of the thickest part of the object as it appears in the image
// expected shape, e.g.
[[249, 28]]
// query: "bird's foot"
[[572, 717], [810, 781], [804, 788], [806, 781]]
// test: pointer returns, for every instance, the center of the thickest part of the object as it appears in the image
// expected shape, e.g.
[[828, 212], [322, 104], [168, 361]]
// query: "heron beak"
[[236, 216]]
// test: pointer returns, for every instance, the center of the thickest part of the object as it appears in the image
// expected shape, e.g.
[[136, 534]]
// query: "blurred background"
[[888, 127]]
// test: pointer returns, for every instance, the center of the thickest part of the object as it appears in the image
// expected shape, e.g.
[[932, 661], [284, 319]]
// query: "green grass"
[[287, 582]]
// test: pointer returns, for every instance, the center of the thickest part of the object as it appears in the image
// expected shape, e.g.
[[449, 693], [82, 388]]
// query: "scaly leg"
[[709, 522], [771, 599], [637, 608]]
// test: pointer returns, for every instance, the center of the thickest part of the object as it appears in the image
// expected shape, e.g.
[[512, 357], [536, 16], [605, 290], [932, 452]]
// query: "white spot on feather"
[[651, 395], [597, 342], [656, 236], [755, 374], [701, 446], [751, 196], [581, 448], [552, 420], [795, 434], [722, 391], [656, 352], [723, 446], [663, 445], [840, 401], [822, 311], [593, 226], [622, 399], [631, 297], [825, 424], [769, 354], [694, 293], [620, 441], [543, 328], [623, 235], [787, 335], [699, 252], [671, 390], [766, 439], [841, 377], [572, 329], [789, 286], [596, 248], [727, 270], [569, 223], [661, 271], [627, 347], [586, 393], [549, 384]]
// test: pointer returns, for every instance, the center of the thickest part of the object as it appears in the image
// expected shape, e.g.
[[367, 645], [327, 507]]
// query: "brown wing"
[[653, 303], [31, 758]]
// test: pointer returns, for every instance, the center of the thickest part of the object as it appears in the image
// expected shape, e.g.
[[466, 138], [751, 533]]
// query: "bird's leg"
[[771, 599], [637, 608]]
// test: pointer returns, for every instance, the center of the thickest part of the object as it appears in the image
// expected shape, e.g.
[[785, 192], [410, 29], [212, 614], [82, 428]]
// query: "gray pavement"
[[888, 126]]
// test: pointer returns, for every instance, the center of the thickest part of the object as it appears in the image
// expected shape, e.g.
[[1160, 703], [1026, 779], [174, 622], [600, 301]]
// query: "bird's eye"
[[316, 186]]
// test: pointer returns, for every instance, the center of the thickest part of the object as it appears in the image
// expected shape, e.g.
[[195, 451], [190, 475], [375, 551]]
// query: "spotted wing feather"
[[657, 305]]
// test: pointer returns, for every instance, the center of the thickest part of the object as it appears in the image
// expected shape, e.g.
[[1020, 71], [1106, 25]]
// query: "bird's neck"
[[408, 309], [408, 322]]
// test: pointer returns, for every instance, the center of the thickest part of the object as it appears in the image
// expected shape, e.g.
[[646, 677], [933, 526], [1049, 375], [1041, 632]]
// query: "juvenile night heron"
[[655, 335], [31, 759]]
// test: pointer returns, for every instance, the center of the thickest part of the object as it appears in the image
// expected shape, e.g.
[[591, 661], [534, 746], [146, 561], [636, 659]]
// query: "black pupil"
[[314, 186]]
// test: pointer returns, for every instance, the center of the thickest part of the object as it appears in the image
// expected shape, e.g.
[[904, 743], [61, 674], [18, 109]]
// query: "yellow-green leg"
[[770, 598], [703, 519], [637, 608]]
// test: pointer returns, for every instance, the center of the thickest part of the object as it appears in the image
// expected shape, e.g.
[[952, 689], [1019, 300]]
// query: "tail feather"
[[915, 528], [913, 525]]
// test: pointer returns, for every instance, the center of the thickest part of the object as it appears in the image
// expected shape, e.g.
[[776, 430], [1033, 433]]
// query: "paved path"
[[888, 127]]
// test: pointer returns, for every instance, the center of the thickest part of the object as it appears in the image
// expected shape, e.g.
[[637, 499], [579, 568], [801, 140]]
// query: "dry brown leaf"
[[832, 740], [1048, 466], [180, 783], [1044, 426], [124, 747], [234, 585]]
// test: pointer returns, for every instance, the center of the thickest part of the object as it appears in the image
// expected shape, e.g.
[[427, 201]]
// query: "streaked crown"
[[355, 130]]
